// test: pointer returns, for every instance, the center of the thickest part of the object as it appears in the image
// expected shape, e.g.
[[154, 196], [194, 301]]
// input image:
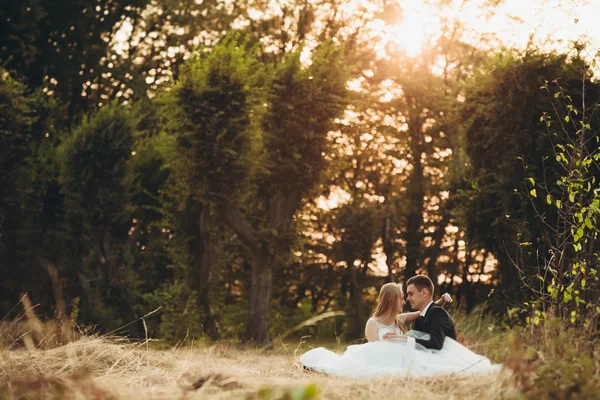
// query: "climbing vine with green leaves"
[[569, 283]]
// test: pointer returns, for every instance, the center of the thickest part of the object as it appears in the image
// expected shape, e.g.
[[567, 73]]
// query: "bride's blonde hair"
[[388, 302]]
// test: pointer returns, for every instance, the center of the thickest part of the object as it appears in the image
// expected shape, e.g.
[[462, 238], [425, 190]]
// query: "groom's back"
[[450, 329]]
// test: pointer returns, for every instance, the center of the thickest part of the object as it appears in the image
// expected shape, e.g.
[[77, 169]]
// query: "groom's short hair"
[[421, 282]]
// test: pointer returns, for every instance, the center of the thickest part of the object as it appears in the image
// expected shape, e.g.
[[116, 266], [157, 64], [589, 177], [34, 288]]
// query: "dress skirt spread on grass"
[[395, 358]]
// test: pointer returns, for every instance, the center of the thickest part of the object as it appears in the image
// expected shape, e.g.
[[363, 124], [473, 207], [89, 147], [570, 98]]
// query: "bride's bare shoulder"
[[372, 323]]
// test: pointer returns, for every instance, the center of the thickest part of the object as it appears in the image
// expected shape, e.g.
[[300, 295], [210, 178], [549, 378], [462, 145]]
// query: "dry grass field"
[[100, 368], [52, 360]]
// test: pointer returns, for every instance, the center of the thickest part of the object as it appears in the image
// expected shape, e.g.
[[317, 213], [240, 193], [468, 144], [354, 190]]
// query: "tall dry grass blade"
[[131, 323], [308, 322], [36, 326], [13, 309], [61, 310], [5, 332], [28, 342], [145, 332]]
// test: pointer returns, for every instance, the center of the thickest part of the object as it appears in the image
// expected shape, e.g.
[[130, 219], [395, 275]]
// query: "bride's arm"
[[410, 317], [445, 298], [371, 331]]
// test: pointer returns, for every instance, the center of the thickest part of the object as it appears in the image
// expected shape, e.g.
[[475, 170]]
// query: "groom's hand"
[[394, 336]]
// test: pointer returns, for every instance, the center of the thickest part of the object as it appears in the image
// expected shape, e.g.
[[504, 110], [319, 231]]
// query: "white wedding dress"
[[398, 358]]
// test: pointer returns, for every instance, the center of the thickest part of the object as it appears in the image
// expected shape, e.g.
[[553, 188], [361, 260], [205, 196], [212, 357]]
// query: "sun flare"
[[410, 34], [512, 23]]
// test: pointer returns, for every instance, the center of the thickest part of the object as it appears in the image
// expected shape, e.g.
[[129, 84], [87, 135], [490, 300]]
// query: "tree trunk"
[[415, 193], [87, 300], [356, 302], [8, 259], [204, 275], [467, 286], [280, 211], [388, 248], [414, 234], [435, 248], [257, 326]]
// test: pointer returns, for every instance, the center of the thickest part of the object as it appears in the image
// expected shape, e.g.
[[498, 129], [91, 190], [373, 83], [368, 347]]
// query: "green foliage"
[[17, 117], [569, 283], [550, 209], [572, 376], [217, 100], [552, 360], [510, 153], [249, 132], [151, 228], [177, 29], [307, 392], [359, 227], [302, 103], [561, 317], [59, 46], [96, 183], [181, 317], [16, 120], [95, 176], [233, 318], [284, 317], [28, 187]]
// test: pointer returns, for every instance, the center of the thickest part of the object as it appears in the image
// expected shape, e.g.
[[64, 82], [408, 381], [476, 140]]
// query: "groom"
[[434, 319]]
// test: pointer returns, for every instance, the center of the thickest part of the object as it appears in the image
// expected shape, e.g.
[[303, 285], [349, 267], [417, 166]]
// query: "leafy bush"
[[181, 318]]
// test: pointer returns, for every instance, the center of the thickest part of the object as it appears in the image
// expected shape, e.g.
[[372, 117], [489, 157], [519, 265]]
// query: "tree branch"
[[240, 225]]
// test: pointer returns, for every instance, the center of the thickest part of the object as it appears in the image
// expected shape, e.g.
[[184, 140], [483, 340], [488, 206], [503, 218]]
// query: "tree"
[[242, 147], [16, 123], [507, 143], [96, 182], [357, 227], [213, 103], [59, 45], [302, 103], [403, 139]]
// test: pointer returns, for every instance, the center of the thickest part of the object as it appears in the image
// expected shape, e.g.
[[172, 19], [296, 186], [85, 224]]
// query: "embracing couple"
[[429, 317], [392, 349]]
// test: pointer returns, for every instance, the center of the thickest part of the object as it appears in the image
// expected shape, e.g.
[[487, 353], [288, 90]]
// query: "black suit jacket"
[[438, 324]]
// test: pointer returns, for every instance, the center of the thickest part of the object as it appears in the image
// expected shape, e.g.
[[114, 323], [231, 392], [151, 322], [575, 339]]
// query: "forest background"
[[201, 171]]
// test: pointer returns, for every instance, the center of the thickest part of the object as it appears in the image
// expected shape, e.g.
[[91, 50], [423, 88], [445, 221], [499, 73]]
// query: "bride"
[[400, 355]]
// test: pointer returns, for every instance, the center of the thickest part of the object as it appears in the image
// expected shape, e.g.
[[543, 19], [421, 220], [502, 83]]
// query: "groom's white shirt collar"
[[426, 308]]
